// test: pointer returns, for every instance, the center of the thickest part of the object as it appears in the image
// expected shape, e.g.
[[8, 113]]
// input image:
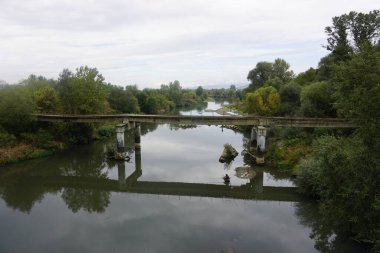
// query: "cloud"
[[154, 42]]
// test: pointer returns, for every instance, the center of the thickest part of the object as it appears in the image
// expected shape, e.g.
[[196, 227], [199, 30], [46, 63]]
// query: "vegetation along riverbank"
[[339, 168]]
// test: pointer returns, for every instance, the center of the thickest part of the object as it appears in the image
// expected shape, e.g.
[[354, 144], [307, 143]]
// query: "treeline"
[[81, 92], [343, 170], [274, 89]]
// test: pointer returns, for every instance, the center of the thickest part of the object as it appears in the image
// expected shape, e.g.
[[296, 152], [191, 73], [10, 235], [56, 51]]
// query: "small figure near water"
[[226, 179]]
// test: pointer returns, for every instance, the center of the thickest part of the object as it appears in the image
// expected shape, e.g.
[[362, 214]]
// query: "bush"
[[6, 138], [105, 131], [347, 181]]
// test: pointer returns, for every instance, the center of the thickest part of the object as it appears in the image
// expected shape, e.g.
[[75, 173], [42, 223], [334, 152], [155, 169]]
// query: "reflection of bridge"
[[252, 190]]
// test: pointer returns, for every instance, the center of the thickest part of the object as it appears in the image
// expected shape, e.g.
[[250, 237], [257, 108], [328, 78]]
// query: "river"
[[170, 197]]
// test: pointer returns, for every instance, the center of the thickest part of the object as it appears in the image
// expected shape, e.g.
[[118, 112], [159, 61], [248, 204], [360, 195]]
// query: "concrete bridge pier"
[[258, 181], [253, 137], [137, 135], [258, 136], [121, 173], [120, 129], [261, 134]]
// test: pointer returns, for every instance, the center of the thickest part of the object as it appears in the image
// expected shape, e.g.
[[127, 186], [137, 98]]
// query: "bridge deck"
[[204, 120]]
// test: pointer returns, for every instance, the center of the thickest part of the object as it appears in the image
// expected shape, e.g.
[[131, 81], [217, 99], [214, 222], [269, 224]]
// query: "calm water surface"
[[170, 197]]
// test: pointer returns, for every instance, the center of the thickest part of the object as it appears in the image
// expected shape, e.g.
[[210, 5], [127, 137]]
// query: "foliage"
[[158, 104], [347, 181], [317, 100], [290, 95], [6, 139], [47, 100], [357, 87], [83, 92], [264, 101], [307, 77], [286, 155], [264, 71], [78, 133], [122, 101], [15, 109], [105, 131], [352, 33], [173, 92]]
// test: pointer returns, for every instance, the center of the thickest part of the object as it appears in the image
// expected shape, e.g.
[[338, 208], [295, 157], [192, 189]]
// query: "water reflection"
[[161, 201]]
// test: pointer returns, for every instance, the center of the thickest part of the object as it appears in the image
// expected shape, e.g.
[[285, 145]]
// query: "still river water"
[[170, 197]]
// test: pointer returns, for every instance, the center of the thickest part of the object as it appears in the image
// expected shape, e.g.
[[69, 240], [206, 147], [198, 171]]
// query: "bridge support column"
[[261, 134], [120, 129], [121, 173], [258, 181], [137, 135], [254, 137]]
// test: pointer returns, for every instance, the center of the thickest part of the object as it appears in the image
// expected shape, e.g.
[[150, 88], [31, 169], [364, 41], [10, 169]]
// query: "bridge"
[[258, 133], [204, 120]]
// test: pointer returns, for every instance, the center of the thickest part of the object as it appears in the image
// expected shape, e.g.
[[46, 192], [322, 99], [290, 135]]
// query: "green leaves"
[[83, 92], [264, 101], [264, 71]]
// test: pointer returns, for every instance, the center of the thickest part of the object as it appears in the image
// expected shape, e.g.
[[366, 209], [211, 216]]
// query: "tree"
[[16, 107], [264, 101], [82, 92], [352, 33], [200, 91], [290, 95], [47, 100], [265, 71], [121, 100], [317, 100], [173, 91], [357, 89], [158, 104]]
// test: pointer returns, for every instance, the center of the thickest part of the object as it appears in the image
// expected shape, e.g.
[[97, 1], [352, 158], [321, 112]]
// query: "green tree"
[[16, 107], [122, 101], [158, 104], [83, 92], [47, 100], [352, 33], [173, 91], [317, 100], [290, 95], [265, 71], [307, 77], [264, 101]]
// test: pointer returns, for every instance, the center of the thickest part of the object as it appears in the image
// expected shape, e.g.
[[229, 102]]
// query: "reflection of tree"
[[87, 199], [22, 198], [326, 239], [147, 128]]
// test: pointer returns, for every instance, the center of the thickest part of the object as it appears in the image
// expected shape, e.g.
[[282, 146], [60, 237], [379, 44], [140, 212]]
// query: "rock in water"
[[229, 153]]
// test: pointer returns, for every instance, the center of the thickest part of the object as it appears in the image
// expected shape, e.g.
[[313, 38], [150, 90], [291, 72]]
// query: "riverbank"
[[21, 152]]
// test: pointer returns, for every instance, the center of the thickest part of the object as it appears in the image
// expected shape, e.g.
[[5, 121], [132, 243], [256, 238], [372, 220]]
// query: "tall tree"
[[353, 32], [83, 92], [264, 71]]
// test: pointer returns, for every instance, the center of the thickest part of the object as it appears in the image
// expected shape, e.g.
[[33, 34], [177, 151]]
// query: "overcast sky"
[[150, 42]]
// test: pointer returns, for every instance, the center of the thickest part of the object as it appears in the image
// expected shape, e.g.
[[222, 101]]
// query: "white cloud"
[[151, 42]]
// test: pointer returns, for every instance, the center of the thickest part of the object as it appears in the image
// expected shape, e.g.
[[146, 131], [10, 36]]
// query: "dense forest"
[[340, 168]]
